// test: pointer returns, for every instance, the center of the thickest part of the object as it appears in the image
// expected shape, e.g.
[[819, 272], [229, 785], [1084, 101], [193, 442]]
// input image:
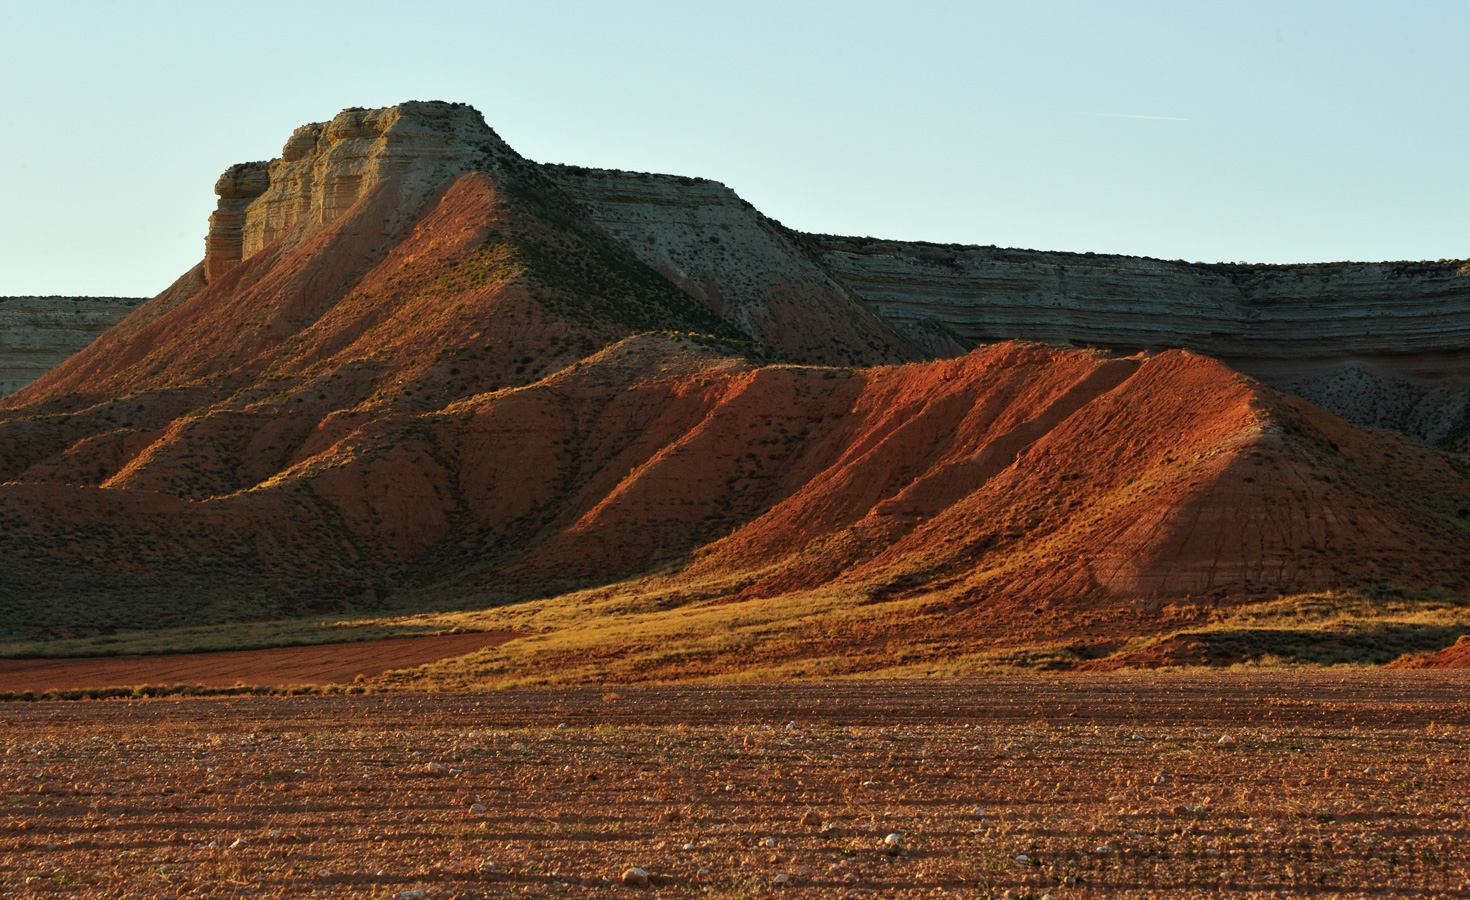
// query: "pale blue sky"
[[1272, 132]]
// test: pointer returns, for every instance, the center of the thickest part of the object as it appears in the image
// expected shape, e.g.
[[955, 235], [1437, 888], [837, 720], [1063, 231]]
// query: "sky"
[[1258, 132]]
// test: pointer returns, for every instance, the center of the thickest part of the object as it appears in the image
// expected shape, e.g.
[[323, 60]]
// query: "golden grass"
[[656, 630], [1336, 628], [667, 628], [650, 630]]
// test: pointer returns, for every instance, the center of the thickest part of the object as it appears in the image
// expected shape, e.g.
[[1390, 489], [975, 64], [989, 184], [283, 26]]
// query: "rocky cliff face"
[[987, 294], [237, 188], [742, 265], [697, 233], [37, 333], [1381, 344], [325, 167]]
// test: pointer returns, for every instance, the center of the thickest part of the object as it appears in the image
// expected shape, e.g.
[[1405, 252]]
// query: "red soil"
[[1015, 476], [1455, 656], [317, 664]]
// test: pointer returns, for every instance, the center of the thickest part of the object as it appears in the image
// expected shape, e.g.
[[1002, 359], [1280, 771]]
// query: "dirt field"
[[1178, 785], [317, 664]]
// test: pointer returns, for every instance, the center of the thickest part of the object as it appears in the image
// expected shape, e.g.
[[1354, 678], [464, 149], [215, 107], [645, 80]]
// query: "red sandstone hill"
[[408, 368], [1455, 656]]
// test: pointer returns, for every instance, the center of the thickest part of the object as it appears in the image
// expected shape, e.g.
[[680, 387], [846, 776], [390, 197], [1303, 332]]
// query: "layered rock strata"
[[746, 267], [37, 333], [697, 233], [236, 189], [469, 387], [325, 167], [1300, 312], [1381, 344]]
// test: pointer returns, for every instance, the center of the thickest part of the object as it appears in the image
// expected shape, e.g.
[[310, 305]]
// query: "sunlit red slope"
[[447, 380], [1014, 477], [285, 351]]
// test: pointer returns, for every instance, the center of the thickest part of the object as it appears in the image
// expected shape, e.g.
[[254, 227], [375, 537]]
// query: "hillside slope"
[[1058, 484], [1381, 344], [413, 373]]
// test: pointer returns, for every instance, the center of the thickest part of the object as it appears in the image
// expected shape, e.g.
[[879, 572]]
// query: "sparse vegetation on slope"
[[459, 393]]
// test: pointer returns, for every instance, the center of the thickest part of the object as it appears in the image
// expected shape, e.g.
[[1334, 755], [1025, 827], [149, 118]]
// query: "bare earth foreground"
[[1193, 784]]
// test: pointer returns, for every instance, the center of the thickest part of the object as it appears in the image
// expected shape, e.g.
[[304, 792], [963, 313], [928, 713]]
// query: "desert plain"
[[1162, 784]]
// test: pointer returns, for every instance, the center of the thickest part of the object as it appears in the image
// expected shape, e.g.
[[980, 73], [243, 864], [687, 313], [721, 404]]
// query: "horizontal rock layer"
[[1381, 344], [742, 265], [237, 188], [474, 387], [325, 167], [1229, 311], [37, 333]]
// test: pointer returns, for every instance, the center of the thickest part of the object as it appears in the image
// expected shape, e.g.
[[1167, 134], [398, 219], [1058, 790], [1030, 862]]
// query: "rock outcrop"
[[37, 333], [1227, 311], [1382, 344], [744, 266], [237, 188], [325, 167], [697, 233]]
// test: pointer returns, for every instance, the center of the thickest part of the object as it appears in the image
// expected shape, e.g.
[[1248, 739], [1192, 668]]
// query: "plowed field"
[[316, 664], [1167, 785]]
